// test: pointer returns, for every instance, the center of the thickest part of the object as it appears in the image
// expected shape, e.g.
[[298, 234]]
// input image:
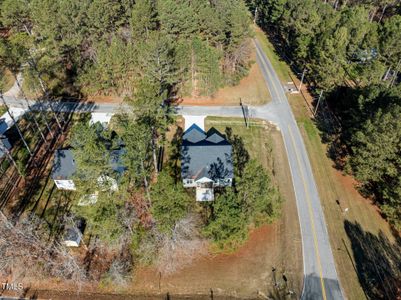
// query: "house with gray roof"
[[206, 161], [63, 169]]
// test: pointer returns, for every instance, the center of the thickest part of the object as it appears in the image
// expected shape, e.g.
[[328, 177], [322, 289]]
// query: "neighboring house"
[[63, 169], [206, 161], [6, 122]]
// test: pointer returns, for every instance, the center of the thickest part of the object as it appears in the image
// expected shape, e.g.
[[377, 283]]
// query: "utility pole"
[[30, 109], [245, 112], [4, 149], [318, 102], [302, 79]]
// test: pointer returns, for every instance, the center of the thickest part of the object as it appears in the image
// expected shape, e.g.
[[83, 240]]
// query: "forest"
[[80, 47], [350, 51]]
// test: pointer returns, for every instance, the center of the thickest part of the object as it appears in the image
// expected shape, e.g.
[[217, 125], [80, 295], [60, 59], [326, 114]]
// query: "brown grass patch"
[[252, 90]]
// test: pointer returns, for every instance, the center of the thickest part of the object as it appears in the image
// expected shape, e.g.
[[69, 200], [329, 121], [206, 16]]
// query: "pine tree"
[[227, 226], [143, 19], [170, 203], [89, 146], [376, 159]]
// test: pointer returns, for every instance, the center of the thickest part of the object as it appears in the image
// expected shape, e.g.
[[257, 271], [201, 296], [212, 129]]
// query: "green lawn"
[[257, 138]]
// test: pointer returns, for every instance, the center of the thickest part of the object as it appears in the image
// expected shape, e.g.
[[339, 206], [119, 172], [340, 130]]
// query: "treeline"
[[368, 144], [350, 50], [340, 46], [103, 46]]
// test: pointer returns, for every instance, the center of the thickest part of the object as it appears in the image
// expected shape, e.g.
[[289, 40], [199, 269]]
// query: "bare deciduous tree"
[[26, 251], [182, 247]]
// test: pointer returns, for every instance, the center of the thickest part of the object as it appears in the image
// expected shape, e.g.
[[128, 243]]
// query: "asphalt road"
[[320, 276]]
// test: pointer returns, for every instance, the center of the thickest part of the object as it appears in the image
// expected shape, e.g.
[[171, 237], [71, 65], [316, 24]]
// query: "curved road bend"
[[320, 276]]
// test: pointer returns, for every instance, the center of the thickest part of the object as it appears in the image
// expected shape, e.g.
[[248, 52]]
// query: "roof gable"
[[194, 134], [214, 136], [210, 157], [64, 164]]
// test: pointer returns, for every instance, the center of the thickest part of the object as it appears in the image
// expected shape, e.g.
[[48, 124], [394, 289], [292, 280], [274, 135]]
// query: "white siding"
[[65, 185]]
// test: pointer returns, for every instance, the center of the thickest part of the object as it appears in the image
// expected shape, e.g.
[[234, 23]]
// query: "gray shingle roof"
[[64, 165], [205, 155], [194, 134]]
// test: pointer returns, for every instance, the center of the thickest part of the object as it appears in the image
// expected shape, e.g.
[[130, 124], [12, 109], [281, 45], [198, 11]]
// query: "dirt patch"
[[7, 80], [105, 99], [251, 90]]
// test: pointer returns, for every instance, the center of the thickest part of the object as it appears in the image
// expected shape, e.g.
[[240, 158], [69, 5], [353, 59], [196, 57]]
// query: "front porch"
[[204, 194]]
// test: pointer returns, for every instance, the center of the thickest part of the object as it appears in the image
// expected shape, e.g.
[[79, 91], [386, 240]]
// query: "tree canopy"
[[102, 46]]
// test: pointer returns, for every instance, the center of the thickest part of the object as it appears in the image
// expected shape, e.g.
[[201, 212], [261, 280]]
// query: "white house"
[[206, 161], [72, 237]]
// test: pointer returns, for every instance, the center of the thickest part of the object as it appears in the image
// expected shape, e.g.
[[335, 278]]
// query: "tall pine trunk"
[[32, 63], [45, 91], [30, 109], [4, 149], [15, 124], [154, 144], [145, 181]]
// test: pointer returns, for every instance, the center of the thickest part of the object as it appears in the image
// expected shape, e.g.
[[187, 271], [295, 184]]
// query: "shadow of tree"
[[175, 154], [240, 155], [378, 262]]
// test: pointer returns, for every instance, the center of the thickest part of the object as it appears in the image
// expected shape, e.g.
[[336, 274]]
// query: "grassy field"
[[257, 137], [361, 240]]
